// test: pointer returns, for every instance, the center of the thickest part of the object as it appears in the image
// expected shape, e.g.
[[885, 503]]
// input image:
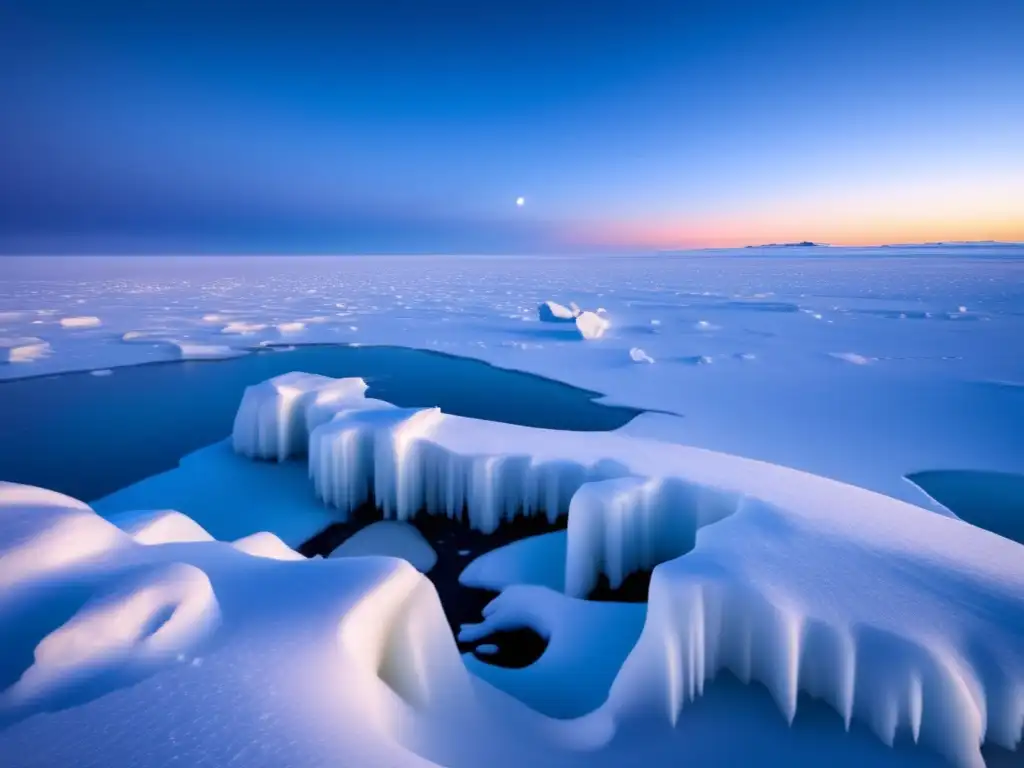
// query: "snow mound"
[[80, 322], [22, 350], [266, 544], [591, 325], [144, 618], [390, 539], [42, 531], [397, 634], [552, 312], [161, 526], [271, 421], [637, 355]]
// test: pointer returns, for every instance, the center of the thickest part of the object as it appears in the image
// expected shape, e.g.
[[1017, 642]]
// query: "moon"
[[520, 202]]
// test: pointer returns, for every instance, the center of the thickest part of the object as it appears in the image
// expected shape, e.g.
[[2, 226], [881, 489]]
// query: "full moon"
[[520, 201]]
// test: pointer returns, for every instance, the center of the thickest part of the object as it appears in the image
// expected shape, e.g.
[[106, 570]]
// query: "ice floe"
[[87, 321], [729, 589], [591, 325], [552, 312], [637, 355], [23, 349]]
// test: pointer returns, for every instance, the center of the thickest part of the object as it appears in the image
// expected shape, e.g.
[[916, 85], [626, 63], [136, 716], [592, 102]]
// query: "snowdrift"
[[89, 614]]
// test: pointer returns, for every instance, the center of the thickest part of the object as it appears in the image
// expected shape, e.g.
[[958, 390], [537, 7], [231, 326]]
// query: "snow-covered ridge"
[[131, 609], [799, 582]]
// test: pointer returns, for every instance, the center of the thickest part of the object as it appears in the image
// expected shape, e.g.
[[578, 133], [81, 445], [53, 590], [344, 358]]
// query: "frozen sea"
[[899, 371], [860, 365]]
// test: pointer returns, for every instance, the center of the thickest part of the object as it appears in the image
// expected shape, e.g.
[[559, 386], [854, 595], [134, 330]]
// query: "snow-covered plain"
[[862, 367], [774, 334]]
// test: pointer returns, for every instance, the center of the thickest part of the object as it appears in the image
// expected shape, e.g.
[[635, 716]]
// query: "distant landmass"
[[955, 243], [803, 244]]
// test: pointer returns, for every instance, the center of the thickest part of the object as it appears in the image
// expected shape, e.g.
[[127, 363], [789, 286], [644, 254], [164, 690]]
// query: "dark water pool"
[[456, 545], [990, 500], [88, 436]]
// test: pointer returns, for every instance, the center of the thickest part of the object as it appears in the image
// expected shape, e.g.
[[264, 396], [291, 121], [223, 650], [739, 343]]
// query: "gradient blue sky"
[[409, 126]]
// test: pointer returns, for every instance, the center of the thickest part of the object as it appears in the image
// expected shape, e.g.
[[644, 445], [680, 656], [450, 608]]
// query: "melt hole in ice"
[[455, 543]]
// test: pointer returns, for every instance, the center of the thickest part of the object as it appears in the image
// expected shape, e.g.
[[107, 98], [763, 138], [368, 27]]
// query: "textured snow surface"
[[389, 538]]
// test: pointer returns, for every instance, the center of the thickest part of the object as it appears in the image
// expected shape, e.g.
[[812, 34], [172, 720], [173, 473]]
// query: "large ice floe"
[[895, 616], [900, 619]]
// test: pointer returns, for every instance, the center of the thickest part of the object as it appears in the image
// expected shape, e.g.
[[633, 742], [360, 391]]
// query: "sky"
[[405, 126]]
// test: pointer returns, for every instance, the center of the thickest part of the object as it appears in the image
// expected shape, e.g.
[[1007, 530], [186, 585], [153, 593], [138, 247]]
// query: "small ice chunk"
[[80, 322], [187, 351], [591, 325], [552, 312], [704, 325], [655, 322], [295, 327], [390, 538], [487, 649], [639, 356], [851, 357], [101, 372], [22, 350], [243, 328], [962, 309], [601, 311]]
